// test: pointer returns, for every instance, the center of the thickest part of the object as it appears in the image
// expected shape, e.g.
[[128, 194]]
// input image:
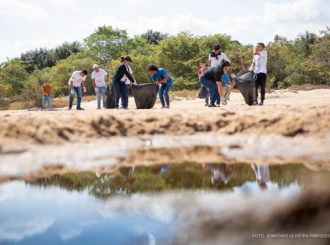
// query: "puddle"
[[160, 149], [187, 203]]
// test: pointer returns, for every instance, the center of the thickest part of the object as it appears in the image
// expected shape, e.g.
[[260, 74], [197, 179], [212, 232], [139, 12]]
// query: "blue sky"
[[29, 24]]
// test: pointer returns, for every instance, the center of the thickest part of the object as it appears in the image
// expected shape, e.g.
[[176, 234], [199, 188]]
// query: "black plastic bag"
[[246, 85], [110, 102], [145, 95]]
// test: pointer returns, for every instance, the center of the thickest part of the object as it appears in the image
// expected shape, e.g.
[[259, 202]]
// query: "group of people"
[[216, 80]]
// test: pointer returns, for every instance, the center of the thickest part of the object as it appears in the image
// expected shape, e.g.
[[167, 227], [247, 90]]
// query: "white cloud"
[[19, 230], [68, 235], [49, 23], [20, 9]]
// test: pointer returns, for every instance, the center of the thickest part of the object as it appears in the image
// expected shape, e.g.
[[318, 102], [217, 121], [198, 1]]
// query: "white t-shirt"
[[77, 79], [260, 62], [124, 78], [99, 77], [217, 60], [262, 173]]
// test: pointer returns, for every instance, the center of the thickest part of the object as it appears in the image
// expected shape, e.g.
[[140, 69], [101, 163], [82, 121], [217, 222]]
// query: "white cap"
[[95, 66]]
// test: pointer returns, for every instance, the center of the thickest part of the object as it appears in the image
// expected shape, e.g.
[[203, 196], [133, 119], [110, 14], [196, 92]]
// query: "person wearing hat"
[[77, 79], [120, 87], [99, 78]]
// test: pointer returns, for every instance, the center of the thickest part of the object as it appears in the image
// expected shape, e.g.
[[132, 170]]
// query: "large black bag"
[[246, 85], [110, 102], [145, 95]]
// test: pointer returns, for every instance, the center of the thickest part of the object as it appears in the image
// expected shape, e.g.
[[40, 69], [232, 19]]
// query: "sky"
[[30, 24]]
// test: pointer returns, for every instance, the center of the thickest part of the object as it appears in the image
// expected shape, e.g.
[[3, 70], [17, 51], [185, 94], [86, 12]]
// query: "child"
[[46, 93], [204, 93], [164, 80], [227, 82]]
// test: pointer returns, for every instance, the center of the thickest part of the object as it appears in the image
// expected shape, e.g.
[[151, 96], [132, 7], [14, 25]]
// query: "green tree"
[[13, 77], [107, 43], [153, 37]]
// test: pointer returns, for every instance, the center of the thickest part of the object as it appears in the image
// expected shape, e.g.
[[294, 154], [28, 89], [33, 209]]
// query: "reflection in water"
[[146, 205], [220, 177]]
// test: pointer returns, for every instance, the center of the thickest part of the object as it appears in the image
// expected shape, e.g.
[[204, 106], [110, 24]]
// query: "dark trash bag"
[[110, 102], [203, 93], [145, 95], [246, 85]]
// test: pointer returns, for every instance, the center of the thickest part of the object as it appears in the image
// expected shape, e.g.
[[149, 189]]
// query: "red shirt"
[[200, 72]]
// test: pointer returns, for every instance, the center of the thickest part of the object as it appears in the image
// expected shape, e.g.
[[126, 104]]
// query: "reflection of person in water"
[[262, 174], [220, 175], [127, 173]]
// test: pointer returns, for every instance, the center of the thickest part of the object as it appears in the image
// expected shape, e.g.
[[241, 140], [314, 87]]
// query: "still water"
[[140, 205]]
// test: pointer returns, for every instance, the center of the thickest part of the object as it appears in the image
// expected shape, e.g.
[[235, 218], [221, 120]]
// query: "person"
[[228, 81], [262, 174], [216, 57], [99, 78], [259, 65], [120, 87], [77, 79], [164, 80], [126, 80], [46, 93], [203, 89], [211, 78]]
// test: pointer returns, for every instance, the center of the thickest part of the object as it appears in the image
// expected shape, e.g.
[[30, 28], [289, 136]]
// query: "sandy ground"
[[289, 119], [285, 112]]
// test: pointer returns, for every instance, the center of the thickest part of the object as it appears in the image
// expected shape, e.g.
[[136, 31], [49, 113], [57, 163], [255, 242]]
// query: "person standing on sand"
[[259, 65], [212, 79], [161, 78], [119, 86], [99, 78], [46, 93], [126, 80], [216, 57], [77, 79]]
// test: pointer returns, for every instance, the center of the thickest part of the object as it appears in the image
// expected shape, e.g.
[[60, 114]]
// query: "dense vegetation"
[[304, 60]]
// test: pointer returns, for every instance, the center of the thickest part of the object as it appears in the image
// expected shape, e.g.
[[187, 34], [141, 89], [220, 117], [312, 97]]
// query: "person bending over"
[[164, 81], [212, 79], [77, 79]]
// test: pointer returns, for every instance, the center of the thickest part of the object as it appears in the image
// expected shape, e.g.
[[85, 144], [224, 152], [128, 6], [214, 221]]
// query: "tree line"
[[304, 60]]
